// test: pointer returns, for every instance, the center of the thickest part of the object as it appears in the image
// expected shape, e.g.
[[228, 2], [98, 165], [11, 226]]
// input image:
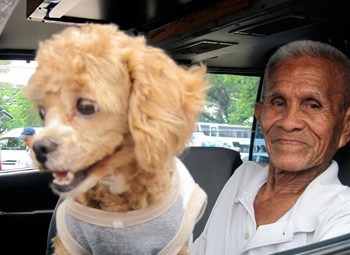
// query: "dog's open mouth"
[[65, 181]]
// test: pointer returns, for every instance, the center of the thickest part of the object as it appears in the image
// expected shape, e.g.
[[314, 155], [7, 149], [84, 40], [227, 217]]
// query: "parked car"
[[13, 150]]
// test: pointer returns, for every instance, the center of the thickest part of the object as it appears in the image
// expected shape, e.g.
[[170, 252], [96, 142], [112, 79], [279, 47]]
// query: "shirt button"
[[246, 236]]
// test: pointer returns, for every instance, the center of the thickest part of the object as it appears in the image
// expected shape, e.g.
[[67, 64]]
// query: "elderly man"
[[27, 137], [297, 199]]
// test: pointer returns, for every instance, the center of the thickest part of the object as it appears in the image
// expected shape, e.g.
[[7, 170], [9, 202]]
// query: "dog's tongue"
[[63, 177], [65, 181]]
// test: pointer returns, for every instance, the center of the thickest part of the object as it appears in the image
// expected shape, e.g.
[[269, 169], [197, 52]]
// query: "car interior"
[[228, 36]]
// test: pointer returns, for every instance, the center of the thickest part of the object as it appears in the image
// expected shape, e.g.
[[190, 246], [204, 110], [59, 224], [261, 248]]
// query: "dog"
[[116, 114]]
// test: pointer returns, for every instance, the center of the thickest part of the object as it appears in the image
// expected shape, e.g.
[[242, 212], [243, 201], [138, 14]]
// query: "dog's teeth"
[[63, 178]]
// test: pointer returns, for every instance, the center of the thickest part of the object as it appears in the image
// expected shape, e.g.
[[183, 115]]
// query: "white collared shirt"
[[321, 212], [28, 158]]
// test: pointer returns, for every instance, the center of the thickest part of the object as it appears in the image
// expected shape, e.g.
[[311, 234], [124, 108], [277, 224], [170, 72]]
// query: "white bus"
[[237, 137]]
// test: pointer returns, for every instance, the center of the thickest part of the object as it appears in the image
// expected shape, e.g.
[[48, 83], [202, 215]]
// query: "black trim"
[[337, 245], [9, 54]]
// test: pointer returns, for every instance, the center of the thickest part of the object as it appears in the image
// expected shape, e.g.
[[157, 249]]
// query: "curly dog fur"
[[116, 112]]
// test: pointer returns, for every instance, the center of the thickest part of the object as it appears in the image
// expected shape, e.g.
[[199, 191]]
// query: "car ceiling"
[[228, 36]]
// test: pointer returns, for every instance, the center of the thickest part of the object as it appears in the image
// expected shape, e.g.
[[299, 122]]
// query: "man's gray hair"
[[317, 50]]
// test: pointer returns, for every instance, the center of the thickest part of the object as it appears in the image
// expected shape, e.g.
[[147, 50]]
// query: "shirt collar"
[[254, 186], [304, 214], [303, 217]]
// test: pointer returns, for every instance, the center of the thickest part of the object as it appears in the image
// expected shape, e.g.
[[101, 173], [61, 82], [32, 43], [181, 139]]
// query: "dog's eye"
[[86, 107], [42, 113]]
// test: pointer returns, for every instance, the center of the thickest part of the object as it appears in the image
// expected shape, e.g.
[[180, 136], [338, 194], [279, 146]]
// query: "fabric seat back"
[[343, 159], [210, 167]]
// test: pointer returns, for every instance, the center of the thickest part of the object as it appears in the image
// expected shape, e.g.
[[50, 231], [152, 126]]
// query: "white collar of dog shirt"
[[130, 218]]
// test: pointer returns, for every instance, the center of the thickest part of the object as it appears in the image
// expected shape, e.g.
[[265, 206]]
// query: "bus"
[[234, 136]]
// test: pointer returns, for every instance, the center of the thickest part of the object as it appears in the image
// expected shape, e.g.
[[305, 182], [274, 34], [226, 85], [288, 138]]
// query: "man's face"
[[301, 117], [28, 140]]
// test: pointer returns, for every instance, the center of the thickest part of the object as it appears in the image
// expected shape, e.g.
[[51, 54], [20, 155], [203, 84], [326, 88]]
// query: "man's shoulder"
[[344, 196], [247, 172], [250, 167]]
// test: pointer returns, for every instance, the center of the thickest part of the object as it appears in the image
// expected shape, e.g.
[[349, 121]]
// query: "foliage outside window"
[[228, 116], [12, 99], [231, 99]]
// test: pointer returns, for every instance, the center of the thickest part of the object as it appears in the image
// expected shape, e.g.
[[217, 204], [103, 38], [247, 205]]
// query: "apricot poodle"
[[116, 113]]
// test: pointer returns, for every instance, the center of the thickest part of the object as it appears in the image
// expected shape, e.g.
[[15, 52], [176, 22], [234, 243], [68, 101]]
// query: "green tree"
[[245, 90], [218, 99], [231, 99], [13, 101]]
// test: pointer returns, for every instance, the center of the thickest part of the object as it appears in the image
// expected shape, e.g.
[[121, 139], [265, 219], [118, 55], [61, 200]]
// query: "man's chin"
[[289, 163]]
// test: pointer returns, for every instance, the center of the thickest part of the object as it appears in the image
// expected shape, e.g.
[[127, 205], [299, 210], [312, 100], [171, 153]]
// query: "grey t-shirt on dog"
[[157, 230]]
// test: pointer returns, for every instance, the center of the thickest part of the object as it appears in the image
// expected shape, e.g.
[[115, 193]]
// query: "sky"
[[19, 72]]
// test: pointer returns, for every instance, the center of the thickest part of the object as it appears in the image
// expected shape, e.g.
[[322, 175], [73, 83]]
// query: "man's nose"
[[292, 118]]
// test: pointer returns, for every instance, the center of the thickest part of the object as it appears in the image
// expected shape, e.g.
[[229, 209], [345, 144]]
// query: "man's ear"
[[257, 110], [345, 137]]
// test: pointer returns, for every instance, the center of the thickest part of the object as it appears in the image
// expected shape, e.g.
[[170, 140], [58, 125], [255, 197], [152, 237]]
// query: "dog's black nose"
[[42, 148]]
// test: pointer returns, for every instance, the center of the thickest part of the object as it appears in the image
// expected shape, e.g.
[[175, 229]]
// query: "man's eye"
[[86, 107], [313, 106], [42, 113], [277, 103]]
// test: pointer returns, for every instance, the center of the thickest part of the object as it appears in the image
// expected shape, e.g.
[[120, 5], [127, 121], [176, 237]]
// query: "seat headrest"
[[343, 159]]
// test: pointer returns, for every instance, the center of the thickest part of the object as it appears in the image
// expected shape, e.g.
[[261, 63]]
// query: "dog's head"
[[106, 98]]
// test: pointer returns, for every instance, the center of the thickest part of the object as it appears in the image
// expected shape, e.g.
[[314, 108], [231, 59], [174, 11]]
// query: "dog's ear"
[[165, 101]]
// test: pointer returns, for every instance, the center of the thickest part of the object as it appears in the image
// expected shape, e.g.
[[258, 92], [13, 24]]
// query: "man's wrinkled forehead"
[[306, 94], [308, 70]]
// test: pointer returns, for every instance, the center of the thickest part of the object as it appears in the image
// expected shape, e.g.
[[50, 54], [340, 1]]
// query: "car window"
[[11, 143], [16, 112], [227, 120]]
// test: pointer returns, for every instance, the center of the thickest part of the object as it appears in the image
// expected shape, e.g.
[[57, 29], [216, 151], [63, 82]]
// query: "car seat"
[[210, 167], [343, 159]]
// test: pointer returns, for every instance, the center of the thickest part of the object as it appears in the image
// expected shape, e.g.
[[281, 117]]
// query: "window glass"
[[259, 152], [16, 112], [225, 122], [228, 116]]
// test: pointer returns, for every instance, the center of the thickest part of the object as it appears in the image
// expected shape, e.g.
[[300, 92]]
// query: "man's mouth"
[[290, 142]]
